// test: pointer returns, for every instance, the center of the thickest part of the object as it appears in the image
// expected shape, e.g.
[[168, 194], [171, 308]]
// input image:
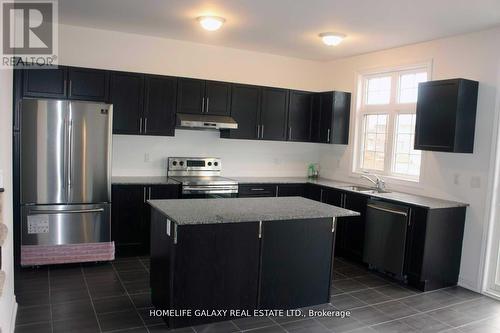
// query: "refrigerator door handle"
[[65, 154], [73, 211], [70, 151]]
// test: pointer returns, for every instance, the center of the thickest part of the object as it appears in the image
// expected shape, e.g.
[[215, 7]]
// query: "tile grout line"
[[128, 295], [91, 300], [50, 303], [422, 313]]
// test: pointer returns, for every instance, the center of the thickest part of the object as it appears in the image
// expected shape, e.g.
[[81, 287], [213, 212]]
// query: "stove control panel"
[[194, 164]]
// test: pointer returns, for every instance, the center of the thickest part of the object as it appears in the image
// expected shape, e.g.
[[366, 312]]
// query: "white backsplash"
[[135, 155]]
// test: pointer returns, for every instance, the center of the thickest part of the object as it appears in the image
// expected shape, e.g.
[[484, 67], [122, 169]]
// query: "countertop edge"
[[161, 210]]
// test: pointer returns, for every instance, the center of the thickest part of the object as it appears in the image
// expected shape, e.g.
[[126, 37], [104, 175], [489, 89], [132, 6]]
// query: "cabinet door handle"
[[203, 105], [149, 194], [328, 136], [70, 88], [145, 124], [140, 125], [290, 133], [262, 132], [321, 195], [65, 91], [144, 200], [208, 100], [258, 131]]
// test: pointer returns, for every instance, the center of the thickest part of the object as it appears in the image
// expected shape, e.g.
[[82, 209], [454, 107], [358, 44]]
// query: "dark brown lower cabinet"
[[130, 215], [296, 263], [352, 229], [313, 192], [434, 247], [291, 190], [227, 266], [127, 209]]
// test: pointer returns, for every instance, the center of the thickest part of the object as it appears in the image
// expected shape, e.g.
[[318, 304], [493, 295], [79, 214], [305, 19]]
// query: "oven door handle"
[[210, 190]]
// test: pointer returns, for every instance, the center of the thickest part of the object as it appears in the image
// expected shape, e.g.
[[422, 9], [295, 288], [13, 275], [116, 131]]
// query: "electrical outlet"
[[475, 182], [456, 179], [146, 157]]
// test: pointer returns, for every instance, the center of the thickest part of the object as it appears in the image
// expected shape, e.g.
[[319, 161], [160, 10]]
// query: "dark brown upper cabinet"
[[146, 104], [245, 109], [203, 97], [330, 117], [88, 84], [127, 95], [66, 82], [45, 83], [159, 105], [299, 116], [273, 114], [143, 104], [446, 115]]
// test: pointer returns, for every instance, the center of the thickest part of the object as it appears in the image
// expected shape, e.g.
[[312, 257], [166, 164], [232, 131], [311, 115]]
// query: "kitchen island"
[[240, 254]]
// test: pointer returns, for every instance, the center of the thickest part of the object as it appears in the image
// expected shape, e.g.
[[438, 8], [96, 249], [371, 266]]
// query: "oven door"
[[209, 192]]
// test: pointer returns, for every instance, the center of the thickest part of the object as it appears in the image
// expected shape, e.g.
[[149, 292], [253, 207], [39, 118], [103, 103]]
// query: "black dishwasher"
[[385, 236]]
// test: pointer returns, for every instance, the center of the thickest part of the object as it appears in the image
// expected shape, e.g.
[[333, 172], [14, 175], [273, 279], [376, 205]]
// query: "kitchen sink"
[[358, 188], [374, 191], [364, 189]]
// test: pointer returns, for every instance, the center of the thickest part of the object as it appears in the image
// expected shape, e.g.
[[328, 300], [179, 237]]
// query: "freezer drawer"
[[66, 224], [385, 236]]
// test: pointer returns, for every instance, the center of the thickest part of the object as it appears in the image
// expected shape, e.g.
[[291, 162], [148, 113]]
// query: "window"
[[386, 123]]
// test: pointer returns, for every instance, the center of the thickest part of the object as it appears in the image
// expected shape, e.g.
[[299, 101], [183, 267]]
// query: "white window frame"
[[392, 110]]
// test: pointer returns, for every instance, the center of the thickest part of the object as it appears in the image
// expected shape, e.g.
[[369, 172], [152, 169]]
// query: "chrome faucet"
[[378, 182]]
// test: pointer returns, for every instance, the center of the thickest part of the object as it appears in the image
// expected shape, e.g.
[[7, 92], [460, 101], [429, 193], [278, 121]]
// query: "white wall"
[[8, 304], [114, 50], [473, 56]]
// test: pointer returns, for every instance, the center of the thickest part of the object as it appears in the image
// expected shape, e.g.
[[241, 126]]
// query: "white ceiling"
[[290, 27]]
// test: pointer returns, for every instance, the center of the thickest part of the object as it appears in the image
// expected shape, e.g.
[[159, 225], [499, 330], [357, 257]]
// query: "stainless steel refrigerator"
[[65, 172]]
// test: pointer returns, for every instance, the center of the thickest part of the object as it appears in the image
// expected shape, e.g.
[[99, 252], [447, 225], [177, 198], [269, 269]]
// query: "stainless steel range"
[[201, 177]]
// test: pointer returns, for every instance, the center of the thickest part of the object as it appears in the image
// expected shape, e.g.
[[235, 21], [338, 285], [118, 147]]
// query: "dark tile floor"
[[115, 297]]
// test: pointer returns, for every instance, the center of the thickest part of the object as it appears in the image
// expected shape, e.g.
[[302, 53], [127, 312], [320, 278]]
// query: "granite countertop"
[[210, 211], [269, 180], [407, 198], [145, 180]]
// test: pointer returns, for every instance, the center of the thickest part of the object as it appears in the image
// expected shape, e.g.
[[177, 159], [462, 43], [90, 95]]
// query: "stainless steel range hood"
[[198, 121]]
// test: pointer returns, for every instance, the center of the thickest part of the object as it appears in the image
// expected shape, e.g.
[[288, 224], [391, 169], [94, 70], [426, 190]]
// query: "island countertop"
[[210, 211]]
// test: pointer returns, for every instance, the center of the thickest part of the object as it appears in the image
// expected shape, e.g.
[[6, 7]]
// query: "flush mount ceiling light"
[[211, 23], [332, 38]]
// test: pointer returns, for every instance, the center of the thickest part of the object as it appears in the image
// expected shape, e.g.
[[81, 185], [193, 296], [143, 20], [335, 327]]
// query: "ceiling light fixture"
[[332, 38], [211, 23]]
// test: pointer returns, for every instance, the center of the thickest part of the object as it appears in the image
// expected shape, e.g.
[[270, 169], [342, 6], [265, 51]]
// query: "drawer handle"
[[258, 189]]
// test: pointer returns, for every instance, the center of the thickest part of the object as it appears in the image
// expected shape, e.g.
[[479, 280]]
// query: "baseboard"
[[13, 314], [467, 284], [492, 294]]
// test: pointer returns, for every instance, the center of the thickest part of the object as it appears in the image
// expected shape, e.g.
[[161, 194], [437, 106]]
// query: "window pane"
[[408, 86], [406, 160], [374, 138], [378, 90]]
